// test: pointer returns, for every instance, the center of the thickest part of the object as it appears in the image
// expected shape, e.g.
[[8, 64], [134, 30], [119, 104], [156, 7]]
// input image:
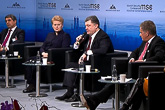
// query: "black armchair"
[[145, 69], [53, 74], [15, 66], [101, 62], [131, 69], [121, 64], [156, 90], [156, 78]]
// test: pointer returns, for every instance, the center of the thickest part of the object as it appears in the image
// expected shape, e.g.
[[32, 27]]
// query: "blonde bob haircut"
[[57, 18]]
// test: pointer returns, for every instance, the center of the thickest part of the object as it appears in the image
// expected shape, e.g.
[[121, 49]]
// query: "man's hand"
[[78, 41], [82, 56], [78, 38], [1, 48], [132, 60], [139, 61], [45, 55]]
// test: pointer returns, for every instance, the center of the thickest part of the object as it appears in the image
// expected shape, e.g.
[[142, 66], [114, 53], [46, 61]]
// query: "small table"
[[6, 59], [81, 89], [117, 89], [37, 94]]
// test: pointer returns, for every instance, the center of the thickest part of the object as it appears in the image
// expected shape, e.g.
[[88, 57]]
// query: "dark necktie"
[[144, 51], [89, 43], [5, 41]]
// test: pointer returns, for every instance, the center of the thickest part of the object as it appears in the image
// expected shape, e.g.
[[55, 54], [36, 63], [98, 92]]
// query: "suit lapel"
[[95, 39], [148, 50], [13, 35]]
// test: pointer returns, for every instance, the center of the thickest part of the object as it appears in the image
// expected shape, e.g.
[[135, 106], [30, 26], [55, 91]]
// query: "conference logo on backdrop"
[[139, 8], [89, 7], [67, 7], [48, 5], [113, 8], [16, 5]]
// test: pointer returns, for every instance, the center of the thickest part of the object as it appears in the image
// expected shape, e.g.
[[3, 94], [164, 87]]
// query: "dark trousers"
[[31, 72], [103, 95], [72, 79], [6, 53], [136, 95]]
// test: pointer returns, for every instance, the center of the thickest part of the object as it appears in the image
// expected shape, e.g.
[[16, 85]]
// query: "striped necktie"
[[6, 39], [144, 51]]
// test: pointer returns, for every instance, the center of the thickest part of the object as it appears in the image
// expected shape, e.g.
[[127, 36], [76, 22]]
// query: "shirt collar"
[[149, 41], [95, 34], [12, 29]]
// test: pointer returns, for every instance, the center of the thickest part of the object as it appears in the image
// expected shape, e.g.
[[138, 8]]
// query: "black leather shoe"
[[89, 103], [65, 96], [30, 88], [74, 98]]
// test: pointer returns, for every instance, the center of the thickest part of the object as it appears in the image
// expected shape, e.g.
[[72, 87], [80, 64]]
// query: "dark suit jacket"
[[18, 33], [53, 41], [100, 45], [155, 51]]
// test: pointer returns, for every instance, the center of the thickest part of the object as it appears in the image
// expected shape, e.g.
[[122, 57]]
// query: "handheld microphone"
[[82, 37], [80, 40]]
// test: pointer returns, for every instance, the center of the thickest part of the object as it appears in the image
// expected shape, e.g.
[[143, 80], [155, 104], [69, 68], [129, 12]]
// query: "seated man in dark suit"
[[95, 41], [56, 39], [12, 34], [151, 49]]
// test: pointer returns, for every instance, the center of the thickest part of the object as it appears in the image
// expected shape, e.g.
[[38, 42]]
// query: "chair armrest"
[[133, 67], [55, 53], [103, 62], [72, 55], [145, 69], [30, 51], [121, 64], [19, 47]]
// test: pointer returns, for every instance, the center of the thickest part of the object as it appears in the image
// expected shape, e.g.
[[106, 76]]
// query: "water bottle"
[[114, 73], [38, 59], [3, 53], [81, 65]]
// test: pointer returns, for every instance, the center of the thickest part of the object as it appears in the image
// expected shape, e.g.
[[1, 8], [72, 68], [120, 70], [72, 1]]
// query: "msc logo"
[[67, 6], [112, 7], [95, 6], [146, 7], [16, 5]]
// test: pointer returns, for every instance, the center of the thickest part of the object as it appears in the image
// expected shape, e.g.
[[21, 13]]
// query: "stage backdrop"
[[120, 19]]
